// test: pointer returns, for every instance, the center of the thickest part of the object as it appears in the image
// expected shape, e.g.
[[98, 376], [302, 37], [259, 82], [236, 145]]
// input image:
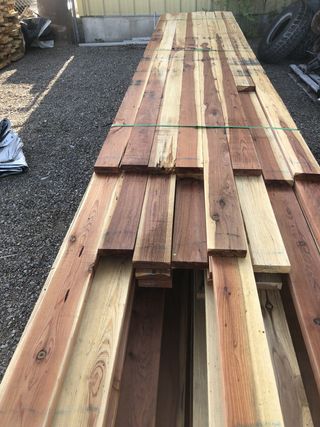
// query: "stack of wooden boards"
[[11, 39], [205, 192]]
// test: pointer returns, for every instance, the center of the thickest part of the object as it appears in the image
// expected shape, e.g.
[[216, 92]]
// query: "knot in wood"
[[73, 238], [317, 321], [41, 355], [215, 217]]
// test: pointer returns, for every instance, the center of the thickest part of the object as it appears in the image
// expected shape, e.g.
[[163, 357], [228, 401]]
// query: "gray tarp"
[[12, 160]]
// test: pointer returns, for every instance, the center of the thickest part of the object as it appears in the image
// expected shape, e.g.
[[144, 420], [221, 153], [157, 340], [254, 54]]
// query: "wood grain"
[[189, 247], [87, 384], [265, 242], [225, 231], [154, 240], [138, 149], [121, 231], [272, 159], [33, 379], [308, 194], [138, 395], [294, 404], [304, 278], [269, 281], [189, 149], [115, 144], [249, 386]]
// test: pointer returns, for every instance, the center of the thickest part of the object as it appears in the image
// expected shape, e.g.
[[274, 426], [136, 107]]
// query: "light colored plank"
[[265, 242], [87, 384], [33, 379], [249, 386], [294, 404], [216, 405], [154, 240], [199, 375]]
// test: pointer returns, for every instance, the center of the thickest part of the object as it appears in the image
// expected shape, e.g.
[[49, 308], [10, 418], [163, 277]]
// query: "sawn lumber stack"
[[187, 289]]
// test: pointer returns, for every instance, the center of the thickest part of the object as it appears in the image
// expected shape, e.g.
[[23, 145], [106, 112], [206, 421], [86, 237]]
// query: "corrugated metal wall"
[[149, 7]]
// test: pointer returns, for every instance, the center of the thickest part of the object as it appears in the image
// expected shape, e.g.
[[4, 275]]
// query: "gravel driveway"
[[61, 101]]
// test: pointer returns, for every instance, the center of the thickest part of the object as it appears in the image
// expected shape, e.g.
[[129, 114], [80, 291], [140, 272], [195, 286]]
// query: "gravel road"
[[61, 101]]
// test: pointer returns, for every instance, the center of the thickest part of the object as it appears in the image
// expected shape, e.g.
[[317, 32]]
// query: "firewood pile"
[[11, 39]]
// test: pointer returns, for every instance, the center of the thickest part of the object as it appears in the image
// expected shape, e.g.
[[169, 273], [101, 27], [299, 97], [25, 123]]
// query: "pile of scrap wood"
[[187, 289], [11, 39]]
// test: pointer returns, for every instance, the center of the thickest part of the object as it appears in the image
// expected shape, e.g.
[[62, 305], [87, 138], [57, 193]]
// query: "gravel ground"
[[60, 101]]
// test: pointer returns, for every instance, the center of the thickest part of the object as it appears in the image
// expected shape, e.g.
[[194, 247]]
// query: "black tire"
[[302, 51], [285, 33]]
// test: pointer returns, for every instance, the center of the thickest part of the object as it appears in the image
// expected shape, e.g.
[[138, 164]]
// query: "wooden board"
[[87, 384], [33, 379], [269, 281], [172, 389], [189, 149], [294, 404], [121, 230], [199, 373], [138, 149], [308, 194], [138, 395], [225, 231], [189, 246], [154, 240], [249, 385], [265, 242], [272, 159], [304, 278], [115, 144]]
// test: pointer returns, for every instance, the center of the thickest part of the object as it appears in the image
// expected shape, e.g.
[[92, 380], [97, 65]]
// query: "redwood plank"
[[308, 194], [138, 394], [115, 144], [139, 146], [274, 165], [304, 278], [225, 230], [33, 379], [154, 240], [189, 236], [250, 391], [121, 232], [189, 150]]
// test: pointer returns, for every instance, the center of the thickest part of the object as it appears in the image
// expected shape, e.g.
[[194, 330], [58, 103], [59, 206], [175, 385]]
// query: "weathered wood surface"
[[304, 277], [87, 384], [154, 240], [139, 385], [269, 281], [249, 386], [115, 144], [34, 377], [189, 247], [294, 404], [308, 194], [267, 250], [121, 229]]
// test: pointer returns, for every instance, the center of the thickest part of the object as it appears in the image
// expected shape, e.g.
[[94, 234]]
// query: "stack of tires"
[[289, 35]]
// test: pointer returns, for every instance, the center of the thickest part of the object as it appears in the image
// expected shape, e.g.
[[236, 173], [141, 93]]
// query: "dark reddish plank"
[[115, 144], [270, 166], [242, 150], [225, 229], [121, 233], [187, 158], [139, 385], [304, 278], [308, 194], [189, 246]]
